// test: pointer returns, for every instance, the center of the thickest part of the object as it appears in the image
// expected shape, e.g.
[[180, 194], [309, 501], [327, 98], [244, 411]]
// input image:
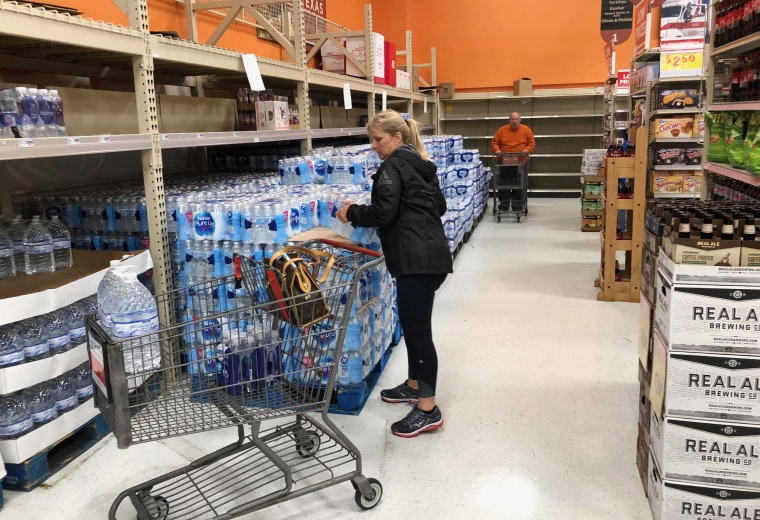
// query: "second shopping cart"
[[510, 195]]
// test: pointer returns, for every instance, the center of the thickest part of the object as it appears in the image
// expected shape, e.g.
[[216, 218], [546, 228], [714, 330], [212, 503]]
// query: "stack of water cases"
[[34, 247], [464, 181], [45, 381], [704, 431]]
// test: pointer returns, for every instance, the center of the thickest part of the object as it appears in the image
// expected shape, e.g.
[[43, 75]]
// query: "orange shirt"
[[507, 140]]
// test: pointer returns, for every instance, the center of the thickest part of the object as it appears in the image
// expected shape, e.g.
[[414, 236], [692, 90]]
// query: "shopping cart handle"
[[351, 247]]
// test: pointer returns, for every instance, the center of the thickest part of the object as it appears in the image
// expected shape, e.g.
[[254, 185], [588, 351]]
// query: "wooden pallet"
[[27, 475], [349, 400]]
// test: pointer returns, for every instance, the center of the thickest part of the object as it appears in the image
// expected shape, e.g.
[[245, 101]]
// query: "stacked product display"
[[31, 112], [592, 209], [700, 364], [34, 247]]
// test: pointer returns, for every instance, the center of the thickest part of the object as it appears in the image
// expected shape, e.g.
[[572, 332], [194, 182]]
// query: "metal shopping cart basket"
[[510, 196], [234, 360]]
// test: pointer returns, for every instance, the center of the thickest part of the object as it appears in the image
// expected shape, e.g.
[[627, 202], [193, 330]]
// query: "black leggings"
[[415, 311]]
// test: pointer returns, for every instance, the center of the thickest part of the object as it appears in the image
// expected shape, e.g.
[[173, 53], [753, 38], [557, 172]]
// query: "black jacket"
[[407, 205]]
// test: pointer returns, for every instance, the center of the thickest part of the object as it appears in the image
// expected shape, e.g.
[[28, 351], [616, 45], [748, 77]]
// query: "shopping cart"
[[510, 196], [233, 360]]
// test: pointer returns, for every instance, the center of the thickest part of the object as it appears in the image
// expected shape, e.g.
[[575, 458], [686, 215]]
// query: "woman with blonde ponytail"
[[407, 206]]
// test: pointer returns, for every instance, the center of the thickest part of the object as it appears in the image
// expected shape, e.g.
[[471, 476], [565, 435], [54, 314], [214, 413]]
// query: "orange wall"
[[482, 45], [490, 43]]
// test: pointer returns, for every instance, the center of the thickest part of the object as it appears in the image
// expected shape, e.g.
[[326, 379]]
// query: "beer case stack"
[[592, 179], [698, 446]]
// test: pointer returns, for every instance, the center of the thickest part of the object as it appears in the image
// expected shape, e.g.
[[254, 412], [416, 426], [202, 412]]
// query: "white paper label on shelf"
[[347, 96], [199, 135], [424, 105], [255, 139], [154, 54], [236, 134], [164, 137], [385, 100], [104, 139], [255, 81], [26, 143], [74, 140]]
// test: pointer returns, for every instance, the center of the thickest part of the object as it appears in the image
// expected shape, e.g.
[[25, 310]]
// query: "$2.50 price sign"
[[678, 64]]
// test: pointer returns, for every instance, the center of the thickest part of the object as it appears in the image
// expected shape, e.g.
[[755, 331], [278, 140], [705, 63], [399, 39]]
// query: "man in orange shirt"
[[514, 137]]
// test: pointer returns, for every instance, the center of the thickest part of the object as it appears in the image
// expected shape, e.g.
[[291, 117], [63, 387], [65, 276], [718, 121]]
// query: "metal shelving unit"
[[564, 122], [36, 38]]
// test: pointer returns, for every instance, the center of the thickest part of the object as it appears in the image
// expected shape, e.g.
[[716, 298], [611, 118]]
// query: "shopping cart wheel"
[[157, 506], [371, 501], [518, 219], [307, 444]]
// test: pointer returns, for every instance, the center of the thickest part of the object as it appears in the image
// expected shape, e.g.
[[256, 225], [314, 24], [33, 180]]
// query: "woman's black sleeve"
[[386, 198]]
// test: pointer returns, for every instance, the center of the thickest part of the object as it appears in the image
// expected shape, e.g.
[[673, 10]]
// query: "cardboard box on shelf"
[[272, 115], [403, 80], [719, 275], [750, 254], [523, 87], [706, 452], [330, 48], [678, 500], [667, 183], [698, 129], [673, 127], [335, 64], [693, 156], [698, 251], [679, 98], [390, 63], [692, 183], [645, 345], [357, 46], [667, 156], [707, 318], [719, 387], [447, 91]]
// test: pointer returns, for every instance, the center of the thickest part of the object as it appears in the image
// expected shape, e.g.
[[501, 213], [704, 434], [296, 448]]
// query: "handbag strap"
[[306, 252]]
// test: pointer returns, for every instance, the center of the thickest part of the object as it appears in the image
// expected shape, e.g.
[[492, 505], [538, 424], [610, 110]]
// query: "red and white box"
[[356, 45]]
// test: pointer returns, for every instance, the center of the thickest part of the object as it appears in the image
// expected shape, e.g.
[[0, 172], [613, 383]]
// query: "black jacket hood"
[[410, 154]]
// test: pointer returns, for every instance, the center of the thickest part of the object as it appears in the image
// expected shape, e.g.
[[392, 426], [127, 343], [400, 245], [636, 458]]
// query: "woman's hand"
[[342, 213]]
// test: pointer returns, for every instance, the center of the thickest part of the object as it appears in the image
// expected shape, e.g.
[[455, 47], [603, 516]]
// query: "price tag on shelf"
[[424, 105], [235, 134], [680, 64], [164, 137], [26, 143], [347, 103], [199, 135], [104, 139], [74, 140], [251, 66], [385, 100]]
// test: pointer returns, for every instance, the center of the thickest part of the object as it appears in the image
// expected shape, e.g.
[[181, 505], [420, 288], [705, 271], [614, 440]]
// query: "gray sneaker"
[[417, 422], [400, 394]]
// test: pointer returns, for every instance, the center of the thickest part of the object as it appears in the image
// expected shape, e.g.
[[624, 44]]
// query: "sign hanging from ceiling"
[[317, 7], [616, 20]]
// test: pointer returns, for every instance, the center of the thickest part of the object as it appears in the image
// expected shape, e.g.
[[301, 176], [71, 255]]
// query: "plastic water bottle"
[[15, 419], [7, 261], [83, 383], [59, 337], [65, 392], [33, 338], [16, 232], [11, 352], [41, 401], [74, 315], [135, 315], [8, 115], [27, 113], [38, 248], [47, 121], [61, 243], [57, 102], [105, 307]]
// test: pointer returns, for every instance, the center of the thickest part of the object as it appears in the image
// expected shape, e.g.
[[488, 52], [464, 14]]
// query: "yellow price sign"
[[685, 63]]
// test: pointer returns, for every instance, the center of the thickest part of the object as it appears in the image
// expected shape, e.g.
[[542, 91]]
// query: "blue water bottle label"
[[45, 415], [67, 403], [13, 430], [204, 225], [84, 393]]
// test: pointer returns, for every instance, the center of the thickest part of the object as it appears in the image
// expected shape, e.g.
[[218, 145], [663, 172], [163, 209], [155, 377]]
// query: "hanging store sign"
[[682, 25], [317, 7], [616, 20]]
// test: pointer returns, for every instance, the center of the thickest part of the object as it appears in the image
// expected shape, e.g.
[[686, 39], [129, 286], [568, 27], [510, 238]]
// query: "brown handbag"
[[293, 284]]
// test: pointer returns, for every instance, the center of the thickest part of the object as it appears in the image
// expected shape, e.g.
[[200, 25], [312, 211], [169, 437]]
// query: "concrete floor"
[[537, 384]]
